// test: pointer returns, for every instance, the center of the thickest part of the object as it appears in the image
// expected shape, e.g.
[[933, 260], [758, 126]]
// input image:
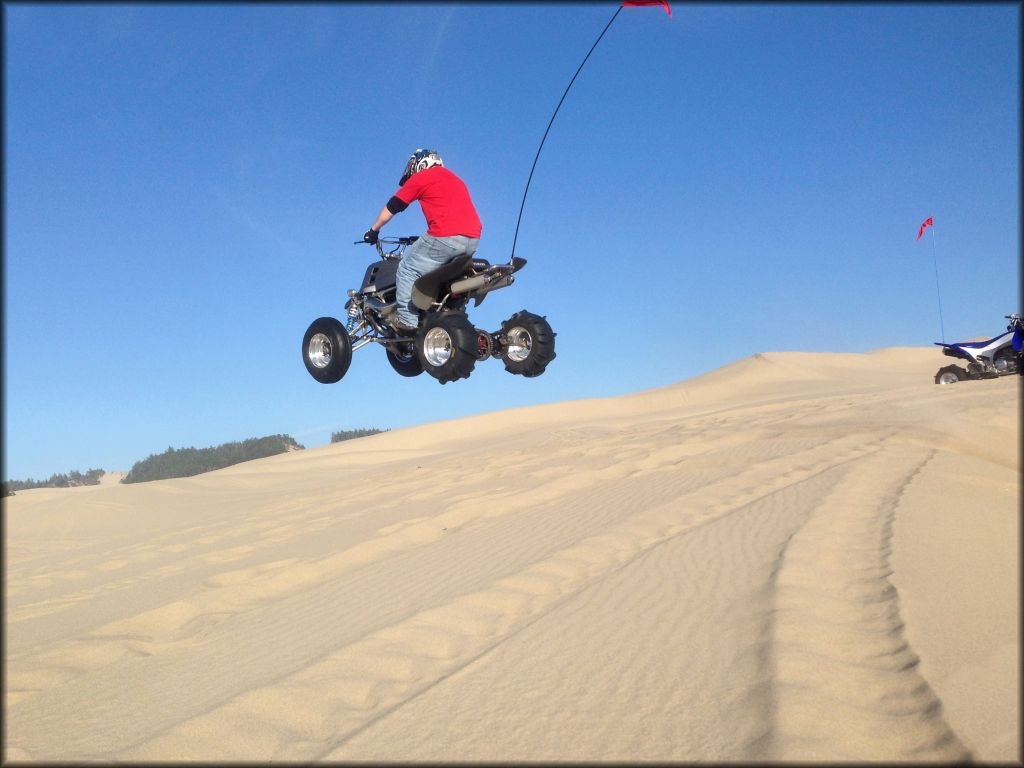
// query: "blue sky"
[[183, 184]]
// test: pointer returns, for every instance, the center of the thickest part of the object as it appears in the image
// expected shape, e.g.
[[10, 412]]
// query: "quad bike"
[[446, 344], [999, 356]]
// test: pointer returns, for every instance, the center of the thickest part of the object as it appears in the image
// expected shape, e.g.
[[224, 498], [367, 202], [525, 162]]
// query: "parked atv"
[[446, 344], [999, 356]]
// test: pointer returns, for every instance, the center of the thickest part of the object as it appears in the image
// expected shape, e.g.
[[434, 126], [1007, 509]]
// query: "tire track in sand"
[[310, 714], [845, 684]]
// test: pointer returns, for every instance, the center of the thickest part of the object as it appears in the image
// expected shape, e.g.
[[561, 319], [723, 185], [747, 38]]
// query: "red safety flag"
[[634, 3], [927, 223]]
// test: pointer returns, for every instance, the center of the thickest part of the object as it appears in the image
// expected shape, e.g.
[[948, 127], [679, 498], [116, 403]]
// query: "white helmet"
[[420, 160]]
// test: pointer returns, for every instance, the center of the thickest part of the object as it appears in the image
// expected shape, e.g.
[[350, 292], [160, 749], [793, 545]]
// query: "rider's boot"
[[401, 327]]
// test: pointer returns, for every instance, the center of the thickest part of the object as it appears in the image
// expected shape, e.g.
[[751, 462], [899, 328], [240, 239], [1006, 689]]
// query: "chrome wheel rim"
[[320, 350], [437, 347], [948, 378], [520, 342]]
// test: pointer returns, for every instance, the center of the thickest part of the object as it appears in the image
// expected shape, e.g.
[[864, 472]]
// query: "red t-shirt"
[[445, 202]]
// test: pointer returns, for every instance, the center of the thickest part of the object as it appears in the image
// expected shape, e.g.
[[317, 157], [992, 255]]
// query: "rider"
[[453, 227]]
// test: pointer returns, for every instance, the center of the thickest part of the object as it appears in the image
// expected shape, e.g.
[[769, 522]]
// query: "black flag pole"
[[938, 294], [552, 120]]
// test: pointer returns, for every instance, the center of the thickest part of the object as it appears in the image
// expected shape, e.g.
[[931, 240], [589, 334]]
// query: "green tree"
[[187, 462], [351, 434], [57, 480]]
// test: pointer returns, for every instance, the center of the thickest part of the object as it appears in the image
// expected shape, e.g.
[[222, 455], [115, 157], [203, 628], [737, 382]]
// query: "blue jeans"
[[426, 254]]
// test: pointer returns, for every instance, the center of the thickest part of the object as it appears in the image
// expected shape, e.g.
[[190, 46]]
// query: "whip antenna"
[[625, 3], [530, 177]]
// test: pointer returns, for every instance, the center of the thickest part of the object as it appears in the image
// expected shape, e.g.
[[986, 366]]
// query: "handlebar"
[[392, 240], [398, 244]]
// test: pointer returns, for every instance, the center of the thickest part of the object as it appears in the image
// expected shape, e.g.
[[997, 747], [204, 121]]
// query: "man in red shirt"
[[453, 227]]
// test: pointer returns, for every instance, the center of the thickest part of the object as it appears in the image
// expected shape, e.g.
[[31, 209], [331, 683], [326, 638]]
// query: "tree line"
[[185, 462], [349, 434], [71, 479]]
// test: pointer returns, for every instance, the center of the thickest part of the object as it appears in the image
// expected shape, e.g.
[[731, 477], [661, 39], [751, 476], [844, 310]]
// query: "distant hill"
[[186, 462]]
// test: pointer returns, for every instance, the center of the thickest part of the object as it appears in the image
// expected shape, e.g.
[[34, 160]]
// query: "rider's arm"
[[394, 206]]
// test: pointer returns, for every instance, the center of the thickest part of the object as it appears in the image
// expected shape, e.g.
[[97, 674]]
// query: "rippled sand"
[[797, 556]]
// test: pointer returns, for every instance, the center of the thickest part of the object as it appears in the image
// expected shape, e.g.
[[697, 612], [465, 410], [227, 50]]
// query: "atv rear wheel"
[[446, 346], [404, 360], [528, 344], [951, 374], [326, 350]]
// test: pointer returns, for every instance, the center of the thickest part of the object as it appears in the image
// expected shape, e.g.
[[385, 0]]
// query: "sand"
[[112, 478], [794, 557]]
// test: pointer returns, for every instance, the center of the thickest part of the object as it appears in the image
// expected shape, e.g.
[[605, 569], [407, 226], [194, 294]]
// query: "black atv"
[[446, 344]]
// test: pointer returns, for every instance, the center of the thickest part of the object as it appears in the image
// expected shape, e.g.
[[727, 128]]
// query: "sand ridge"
[[729, 568]]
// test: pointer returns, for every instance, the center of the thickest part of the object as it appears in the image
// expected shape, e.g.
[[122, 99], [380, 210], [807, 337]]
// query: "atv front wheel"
[[951, 374], [404, 360], [447, 346], [326, 350], [528, 344]]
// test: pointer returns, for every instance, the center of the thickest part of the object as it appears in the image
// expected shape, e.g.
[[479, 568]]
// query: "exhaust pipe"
[[469, 284], [486, 282], [499, 283]]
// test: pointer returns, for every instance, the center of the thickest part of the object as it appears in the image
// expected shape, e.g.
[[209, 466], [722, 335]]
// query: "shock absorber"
[[354, 314]]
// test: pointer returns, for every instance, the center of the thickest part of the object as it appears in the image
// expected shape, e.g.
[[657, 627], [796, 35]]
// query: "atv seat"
[[426, 288], [968, 344]]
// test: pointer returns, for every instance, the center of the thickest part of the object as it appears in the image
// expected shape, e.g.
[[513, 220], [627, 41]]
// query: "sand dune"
[[797, 556]]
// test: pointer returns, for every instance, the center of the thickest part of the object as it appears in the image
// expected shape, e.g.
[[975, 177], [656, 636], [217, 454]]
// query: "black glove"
[[370, 236]]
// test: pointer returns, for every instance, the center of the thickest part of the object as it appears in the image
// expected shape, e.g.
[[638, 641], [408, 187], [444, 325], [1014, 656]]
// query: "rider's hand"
[[370, 236]]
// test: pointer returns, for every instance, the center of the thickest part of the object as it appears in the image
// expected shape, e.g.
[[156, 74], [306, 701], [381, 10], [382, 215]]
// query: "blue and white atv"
[[999, 356], [446, 344]]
